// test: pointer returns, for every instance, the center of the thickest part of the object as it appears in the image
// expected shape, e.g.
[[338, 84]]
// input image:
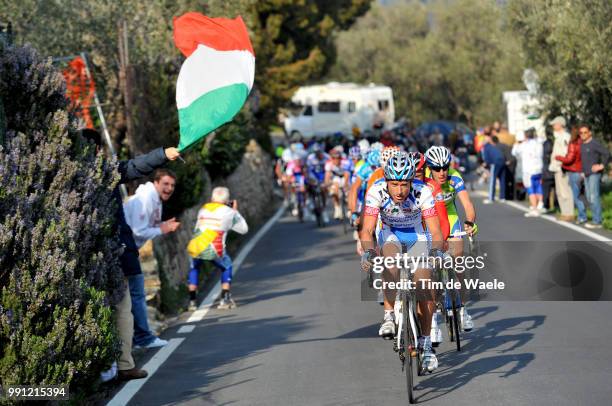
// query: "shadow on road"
[[196, 367], [495, 336], [268, 296]]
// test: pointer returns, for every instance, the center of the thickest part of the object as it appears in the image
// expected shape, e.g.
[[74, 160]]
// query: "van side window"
[[307, 111], [352, 107], [329, 107], [383, 105]]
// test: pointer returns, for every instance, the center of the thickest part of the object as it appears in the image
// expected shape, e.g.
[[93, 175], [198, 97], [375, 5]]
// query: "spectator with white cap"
[[562, 184]]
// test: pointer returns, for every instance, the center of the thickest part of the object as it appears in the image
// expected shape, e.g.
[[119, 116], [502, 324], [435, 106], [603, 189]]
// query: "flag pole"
[[107, 137]]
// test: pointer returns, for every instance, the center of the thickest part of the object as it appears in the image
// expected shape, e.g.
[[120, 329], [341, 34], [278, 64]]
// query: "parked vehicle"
[[340, 108]]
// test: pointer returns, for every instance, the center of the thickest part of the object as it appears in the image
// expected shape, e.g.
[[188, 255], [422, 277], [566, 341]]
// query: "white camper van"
[[340, 107]]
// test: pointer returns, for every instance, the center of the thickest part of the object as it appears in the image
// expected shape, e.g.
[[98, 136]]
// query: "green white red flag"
[[217, 76]]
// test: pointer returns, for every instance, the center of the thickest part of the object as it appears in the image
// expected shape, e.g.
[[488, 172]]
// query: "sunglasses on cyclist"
[[439, 168]]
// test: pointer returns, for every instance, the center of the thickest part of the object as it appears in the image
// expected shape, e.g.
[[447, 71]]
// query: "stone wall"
[[251, 184]]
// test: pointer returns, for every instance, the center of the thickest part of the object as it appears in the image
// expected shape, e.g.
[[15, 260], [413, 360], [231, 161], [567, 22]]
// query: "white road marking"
[[132, 387], [186, 329], [548, 217]]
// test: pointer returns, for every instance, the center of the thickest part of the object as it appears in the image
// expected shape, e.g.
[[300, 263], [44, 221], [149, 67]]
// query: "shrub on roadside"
[[59, 272]]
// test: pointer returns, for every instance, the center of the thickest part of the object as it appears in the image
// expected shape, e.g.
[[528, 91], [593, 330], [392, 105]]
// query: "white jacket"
[[143, 213], [562, 139], [220, 217], [530, 152]]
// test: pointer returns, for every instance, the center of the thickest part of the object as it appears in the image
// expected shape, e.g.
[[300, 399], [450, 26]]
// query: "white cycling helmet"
[[399, 167], [438, 156]]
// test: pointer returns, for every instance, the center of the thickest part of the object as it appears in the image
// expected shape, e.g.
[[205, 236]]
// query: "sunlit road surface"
[[302, 336]]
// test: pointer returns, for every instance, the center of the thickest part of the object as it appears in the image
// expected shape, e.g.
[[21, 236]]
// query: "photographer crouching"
[[215, 219]]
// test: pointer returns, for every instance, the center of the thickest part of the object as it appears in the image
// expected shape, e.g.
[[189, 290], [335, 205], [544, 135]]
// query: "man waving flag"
[[217, 75]]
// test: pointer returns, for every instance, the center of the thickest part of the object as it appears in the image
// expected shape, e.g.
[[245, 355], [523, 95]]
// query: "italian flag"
[[217, 75]]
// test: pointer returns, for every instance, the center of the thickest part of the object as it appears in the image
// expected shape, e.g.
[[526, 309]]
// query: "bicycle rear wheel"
[[448, 316], [300, 206], [318, 207]]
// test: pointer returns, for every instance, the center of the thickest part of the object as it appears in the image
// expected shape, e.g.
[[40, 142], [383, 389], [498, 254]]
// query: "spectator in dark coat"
[[494, 157], [595, 158], [129, 170], [548, 177], [510, 166]]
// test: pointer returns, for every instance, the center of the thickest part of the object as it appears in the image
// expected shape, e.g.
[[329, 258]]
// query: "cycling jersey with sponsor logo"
[[405, 215], [447, 194]]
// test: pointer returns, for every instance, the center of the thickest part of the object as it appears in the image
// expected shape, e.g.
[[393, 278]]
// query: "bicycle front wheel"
[[456, 321], [410, 349]]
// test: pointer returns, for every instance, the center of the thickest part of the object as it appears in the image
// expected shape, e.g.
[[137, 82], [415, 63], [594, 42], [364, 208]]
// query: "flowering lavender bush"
[[59, 270]]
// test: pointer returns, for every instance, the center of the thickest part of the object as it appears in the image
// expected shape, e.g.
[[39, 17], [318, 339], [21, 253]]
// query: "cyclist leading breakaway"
[[451, 186], [401, 203]]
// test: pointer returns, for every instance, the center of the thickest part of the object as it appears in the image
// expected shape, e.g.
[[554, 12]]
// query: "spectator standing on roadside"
[[572, 165], [509, 165], [562, 186], [494, 157], [143, 213], [595, 157], [133, 169], [530, 152], [215, 220], [548, 177]]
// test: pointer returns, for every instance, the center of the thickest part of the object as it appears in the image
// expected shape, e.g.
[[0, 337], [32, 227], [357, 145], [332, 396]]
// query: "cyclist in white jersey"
[[402, 204]]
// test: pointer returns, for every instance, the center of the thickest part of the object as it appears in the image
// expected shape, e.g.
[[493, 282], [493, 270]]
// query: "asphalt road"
[[302, 336]]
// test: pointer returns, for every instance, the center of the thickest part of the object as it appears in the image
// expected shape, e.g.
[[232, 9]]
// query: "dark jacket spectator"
[[129, 170], [593, 153], [595, 157], [133, 169], [510, 166], [492, 155], [548, 177], [547, 148], [506, 151]]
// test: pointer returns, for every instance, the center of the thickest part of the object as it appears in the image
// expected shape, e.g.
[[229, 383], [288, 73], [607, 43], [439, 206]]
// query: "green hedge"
[[59, 272]]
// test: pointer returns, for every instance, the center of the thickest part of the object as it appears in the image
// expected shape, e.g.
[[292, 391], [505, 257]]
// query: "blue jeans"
[[142, 333], [593, 182], [498, 171], [575, 178], [224, 264]]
